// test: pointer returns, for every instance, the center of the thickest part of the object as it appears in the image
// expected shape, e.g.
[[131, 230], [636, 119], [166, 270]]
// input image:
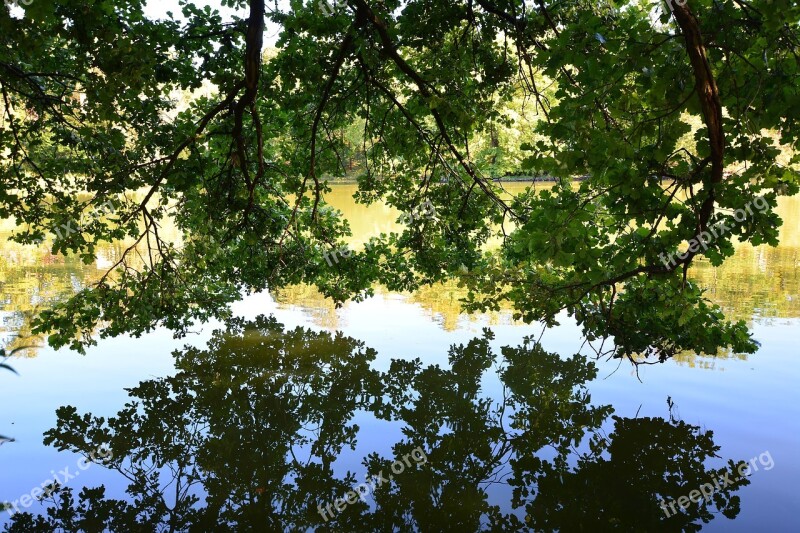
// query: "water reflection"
[[757, 285], [262, 429]]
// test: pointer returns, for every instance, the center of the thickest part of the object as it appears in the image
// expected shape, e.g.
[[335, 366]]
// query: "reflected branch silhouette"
[[250, 433]]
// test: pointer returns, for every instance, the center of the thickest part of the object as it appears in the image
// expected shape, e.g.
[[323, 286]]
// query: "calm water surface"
[[750, 403]]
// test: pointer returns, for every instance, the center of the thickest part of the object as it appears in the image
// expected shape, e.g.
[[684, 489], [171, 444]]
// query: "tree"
[[678, 115]]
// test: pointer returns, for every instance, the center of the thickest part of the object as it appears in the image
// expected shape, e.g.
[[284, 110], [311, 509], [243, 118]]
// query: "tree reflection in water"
[[246, 434]]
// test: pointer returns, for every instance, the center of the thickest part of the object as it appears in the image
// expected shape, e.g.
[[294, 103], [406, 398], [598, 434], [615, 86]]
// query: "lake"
[[488, 431]]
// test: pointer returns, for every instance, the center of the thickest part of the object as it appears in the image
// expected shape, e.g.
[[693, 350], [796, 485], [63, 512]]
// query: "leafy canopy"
[[675, 116]]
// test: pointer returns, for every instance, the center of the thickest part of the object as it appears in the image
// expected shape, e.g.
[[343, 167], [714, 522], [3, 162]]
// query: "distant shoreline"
[[501, 179]]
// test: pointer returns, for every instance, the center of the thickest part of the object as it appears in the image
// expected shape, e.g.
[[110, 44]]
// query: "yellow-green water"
[[756, 284], [752, 404]]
